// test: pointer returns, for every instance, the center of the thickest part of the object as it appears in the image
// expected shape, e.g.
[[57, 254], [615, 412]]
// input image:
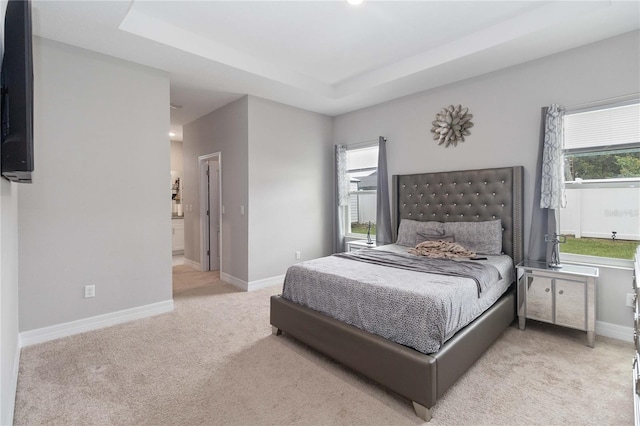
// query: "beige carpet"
[[214, 361]]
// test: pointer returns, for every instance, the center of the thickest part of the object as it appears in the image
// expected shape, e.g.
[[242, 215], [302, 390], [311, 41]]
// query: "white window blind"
[[603, 127], [362, 158]]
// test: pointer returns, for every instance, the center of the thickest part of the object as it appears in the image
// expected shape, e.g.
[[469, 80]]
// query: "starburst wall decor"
[[451, 125]]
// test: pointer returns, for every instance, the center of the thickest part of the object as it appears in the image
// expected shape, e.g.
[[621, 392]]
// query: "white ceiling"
[[325, 56]]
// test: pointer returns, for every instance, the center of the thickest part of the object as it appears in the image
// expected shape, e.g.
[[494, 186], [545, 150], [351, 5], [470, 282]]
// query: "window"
[[362, 171], [602, 173]]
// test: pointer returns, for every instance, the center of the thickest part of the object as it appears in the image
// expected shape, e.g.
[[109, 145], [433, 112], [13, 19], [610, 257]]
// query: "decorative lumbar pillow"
[[409, 229], [481, 237], [422, 237]]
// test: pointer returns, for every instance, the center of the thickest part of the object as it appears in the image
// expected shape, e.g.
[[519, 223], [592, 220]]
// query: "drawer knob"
[[546, 290], [561, 292]]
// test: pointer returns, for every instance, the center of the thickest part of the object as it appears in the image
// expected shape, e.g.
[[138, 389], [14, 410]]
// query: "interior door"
[[214, 214]]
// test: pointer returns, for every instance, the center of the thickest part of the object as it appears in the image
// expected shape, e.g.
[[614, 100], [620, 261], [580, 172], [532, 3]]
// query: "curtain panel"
[[552, 194], [341, 197], [549, 184], [383, 209]]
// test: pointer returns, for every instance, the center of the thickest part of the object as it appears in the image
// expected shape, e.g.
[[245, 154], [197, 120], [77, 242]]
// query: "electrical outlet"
[[631, 299], [298, 255], [89, 291]]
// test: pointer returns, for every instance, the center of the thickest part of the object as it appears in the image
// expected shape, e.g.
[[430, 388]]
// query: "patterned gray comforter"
[[484, 275], [416, 309]]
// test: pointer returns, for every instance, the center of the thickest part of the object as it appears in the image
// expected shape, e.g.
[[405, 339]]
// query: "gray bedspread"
[[484, 275], [416, 309]]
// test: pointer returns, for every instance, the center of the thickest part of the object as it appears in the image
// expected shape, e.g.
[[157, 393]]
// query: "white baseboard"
[[57, 331], [251, 285], [266, 282], [236, 282], [190, 263], [615, 331]]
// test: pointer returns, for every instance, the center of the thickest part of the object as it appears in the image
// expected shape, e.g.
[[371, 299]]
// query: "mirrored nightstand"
[[358, 245], [564, 296]]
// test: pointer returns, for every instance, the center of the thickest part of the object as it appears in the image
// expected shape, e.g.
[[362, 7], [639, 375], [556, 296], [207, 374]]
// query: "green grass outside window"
[[619, 249], [361, 228]]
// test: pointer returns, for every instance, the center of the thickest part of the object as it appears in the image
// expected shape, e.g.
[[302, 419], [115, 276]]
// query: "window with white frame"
[[602, 175], [362, 171]]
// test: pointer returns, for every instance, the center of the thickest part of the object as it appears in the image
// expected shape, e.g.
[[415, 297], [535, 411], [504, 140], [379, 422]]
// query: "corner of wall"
[[224, 130], [9, 338], [9, 341]]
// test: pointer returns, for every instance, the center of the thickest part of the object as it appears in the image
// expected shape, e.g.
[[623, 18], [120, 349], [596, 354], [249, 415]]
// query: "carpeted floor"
[[214, 361]]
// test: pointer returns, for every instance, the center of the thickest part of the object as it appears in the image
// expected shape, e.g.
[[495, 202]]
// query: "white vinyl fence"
[[362, 208], [598, 212]]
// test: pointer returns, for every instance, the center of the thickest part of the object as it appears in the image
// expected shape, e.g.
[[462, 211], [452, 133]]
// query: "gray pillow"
[[409, 229], [431, 237], [481, 237]]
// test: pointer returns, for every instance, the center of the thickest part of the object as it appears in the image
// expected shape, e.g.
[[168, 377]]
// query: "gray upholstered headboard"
[[465, 196]]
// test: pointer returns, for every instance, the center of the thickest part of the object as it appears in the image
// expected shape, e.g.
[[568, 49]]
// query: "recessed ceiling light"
[[354, 2], [172, 134]]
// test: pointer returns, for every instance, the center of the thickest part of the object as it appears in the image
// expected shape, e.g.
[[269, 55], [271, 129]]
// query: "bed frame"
[[472, 195]]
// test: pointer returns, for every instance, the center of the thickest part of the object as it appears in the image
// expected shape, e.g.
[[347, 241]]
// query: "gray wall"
[[224, 130], [506, 108], [98, 211], [290, 187], [9, 349], [276, 161], [613, 286], [176, 156]]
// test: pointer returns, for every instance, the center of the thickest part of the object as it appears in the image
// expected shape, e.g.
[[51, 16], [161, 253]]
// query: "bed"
[[462, 196]]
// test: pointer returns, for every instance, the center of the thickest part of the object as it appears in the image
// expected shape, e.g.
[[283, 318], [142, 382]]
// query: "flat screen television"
[[16, 149]]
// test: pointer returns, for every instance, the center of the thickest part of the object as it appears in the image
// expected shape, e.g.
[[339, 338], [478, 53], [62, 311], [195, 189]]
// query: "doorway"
[[210, 167]]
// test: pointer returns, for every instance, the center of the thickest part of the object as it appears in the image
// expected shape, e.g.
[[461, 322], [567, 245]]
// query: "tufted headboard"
[[465, 196]]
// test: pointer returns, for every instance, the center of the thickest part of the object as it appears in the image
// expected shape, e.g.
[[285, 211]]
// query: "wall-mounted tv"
[[16, 149]]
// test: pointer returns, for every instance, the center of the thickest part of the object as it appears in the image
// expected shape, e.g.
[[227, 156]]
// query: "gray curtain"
[[549, 186], [342, 197], [383, 211], [552, 194]]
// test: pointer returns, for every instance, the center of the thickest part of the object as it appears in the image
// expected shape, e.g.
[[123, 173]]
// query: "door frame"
[[204, 222]]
